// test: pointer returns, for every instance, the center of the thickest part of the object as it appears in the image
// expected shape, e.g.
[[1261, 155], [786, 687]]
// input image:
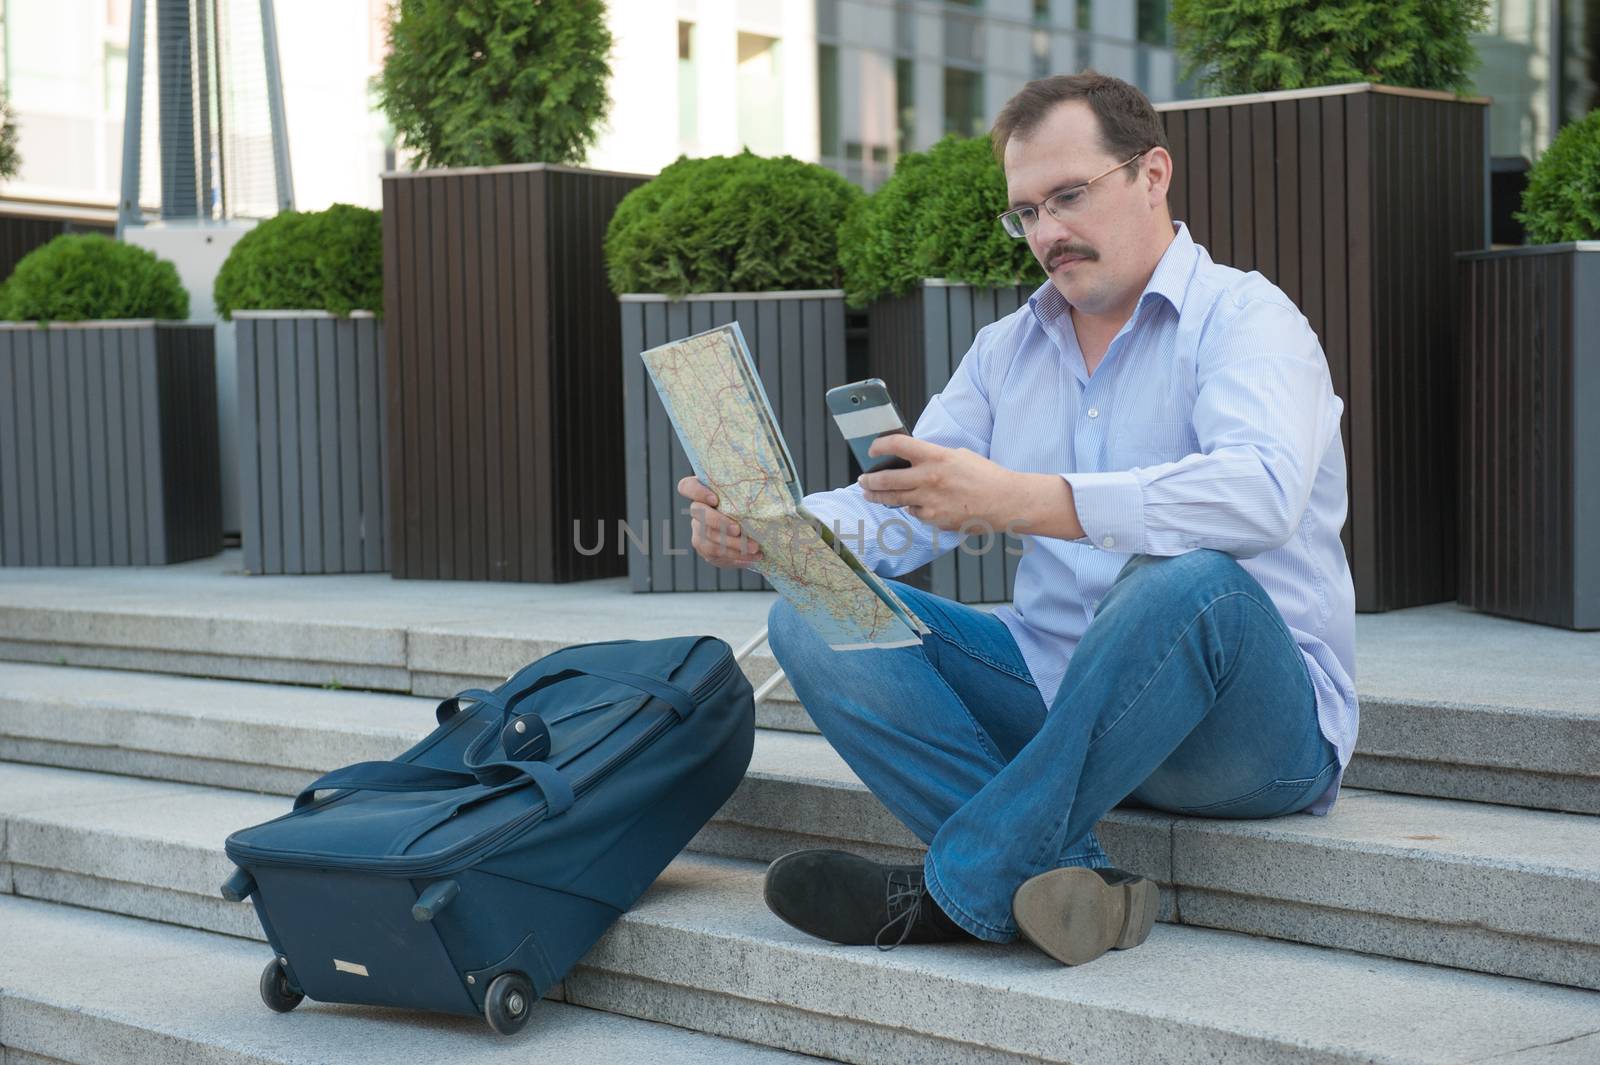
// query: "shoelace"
[[916, 891]]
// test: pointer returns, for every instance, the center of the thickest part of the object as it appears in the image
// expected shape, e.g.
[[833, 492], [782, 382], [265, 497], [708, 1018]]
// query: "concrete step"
[[1454, 703], [1497, 890], [84, 987], [700, 951]]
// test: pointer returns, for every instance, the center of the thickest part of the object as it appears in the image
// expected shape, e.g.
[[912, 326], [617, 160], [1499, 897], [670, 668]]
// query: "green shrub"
[[934, 218], [486, 82], [10, 161], [1562, 200], [1244, 46], [306, 261], [81, 277], [742, 223]]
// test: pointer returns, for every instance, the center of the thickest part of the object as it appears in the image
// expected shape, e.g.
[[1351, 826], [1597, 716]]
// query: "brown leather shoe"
[[1076, 914]]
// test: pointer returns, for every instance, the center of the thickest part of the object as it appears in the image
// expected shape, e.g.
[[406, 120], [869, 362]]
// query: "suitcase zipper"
[[467, 850]]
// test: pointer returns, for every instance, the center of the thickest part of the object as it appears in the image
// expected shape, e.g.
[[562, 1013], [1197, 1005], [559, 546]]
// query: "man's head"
[[1061, 131]]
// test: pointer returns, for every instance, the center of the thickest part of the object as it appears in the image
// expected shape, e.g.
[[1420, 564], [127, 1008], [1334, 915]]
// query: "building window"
[[905, 104], [1152, 34], [1041, 53], [688, 89], [760, 95], [963, 102], [1083, 23], [1152, 27], [1041, 10], [828, 100]]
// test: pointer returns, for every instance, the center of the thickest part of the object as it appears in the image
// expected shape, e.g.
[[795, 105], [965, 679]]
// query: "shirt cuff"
[[1110, 509]]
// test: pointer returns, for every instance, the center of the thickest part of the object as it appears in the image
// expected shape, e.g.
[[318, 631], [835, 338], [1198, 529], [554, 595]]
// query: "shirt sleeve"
[[886, 539], [1264, 415]]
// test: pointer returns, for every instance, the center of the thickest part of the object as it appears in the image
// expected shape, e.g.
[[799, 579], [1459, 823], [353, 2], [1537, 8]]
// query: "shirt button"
[[1094, 412], [1110, 541]]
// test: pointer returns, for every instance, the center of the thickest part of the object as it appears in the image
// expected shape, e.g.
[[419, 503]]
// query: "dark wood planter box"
[[22, 233], [915, 342], [1354, 200], [504, 390], [108, 444], [313, 485], [1529, 341], [798, 342]]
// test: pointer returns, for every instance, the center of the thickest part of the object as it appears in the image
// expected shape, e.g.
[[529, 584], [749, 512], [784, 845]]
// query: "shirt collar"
[[1170, 280]]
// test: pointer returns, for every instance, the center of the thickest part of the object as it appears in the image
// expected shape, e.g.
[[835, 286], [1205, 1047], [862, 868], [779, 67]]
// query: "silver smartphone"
[[863, 411]]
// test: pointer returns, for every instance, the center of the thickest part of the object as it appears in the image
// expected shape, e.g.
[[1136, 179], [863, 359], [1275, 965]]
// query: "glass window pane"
[[828, 99], [963, 102], [905, 97]]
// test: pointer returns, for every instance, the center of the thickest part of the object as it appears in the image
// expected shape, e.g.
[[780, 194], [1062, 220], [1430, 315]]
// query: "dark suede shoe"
[[1075, 915], [846, 898]]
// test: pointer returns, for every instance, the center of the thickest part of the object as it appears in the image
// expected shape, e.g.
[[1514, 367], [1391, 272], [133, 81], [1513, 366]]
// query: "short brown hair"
[[1128, 124]]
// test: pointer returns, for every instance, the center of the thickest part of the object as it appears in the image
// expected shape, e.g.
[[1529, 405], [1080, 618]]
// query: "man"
[[1164, 430]]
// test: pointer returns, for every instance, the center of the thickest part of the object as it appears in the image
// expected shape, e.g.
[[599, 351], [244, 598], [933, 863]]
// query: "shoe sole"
[[1074, 916]]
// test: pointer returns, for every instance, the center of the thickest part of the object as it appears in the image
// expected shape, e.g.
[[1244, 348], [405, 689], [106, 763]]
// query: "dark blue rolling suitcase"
[[472, 872]]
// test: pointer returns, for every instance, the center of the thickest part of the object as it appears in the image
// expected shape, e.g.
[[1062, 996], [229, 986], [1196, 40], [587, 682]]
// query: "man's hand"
[[955, 487], [944, 486], [717, 537]]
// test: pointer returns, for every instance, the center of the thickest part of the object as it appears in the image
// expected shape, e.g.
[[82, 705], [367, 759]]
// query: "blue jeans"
[[1186, 694]]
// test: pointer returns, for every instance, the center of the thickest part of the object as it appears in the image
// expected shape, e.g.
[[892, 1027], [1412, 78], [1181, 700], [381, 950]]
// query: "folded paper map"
[[715, 400]]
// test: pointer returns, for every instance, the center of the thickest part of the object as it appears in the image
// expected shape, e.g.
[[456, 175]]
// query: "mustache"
[[1061, 249]]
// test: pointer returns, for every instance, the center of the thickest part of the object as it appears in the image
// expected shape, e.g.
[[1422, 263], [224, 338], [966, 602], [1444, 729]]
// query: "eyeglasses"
[[1019, 221]]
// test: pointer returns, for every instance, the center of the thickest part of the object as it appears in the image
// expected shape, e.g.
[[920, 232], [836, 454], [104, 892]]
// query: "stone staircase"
[[1459, 922]]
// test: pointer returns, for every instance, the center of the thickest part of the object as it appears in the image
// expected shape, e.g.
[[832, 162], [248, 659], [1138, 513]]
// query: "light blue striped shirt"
[[1211, 422]]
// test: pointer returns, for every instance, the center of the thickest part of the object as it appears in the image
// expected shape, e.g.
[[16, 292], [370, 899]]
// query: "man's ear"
[[1157, 175]]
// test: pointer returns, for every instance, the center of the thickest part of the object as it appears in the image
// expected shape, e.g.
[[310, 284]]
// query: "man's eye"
[[1068, 198]]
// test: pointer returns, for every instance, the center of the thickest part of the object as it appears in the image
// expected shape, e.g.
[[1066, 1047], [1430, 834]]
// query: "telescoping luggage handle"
[[405, 776]]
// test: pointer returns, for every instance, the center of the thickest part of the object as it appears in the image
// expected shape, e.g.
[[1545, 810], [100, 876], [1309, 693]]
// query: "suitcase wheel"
[[276, 991], [508, 1003]]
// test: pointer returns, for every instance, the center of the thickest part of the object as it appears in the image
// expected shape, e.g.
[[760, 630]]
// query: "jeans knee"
[[787, 632], [1160, 581]]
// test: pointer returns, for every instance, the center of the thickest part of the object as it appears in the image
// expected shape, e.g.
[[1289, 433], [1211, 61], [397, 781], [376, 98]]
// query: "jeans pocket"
[[1272, 799]]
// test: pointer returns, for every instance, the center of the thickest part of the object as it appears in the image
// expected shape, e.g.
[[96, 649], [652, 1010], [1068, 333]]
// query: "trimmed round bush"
[[1562, 200], [742, 223], [487, 82], [935, 218], [1245, 46], [306, 261], [79, 277]]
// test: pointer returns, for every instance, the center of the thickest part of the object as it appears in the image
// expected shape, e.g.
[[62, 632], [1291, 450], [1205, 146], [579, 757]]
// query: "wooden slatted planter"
[[312, 451], [798, 342], [1529, 341], [1355, 199], [915, 343], [108, 444], [504, 390]]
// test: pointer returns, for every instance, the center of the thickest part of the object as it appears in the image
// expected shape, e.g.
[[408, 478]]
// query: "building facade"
[[853, 84]]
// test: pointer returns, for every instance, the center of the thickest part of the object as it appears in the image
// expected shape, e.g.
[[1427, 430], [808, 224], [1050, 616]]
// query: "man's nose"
[[1047, 231]]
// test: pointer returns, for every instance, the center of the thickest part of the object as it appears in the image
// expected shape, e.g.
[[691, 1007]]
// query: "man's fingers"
[[892, 480], [692, 489], [714, 519], [719, 539], [906, 446]]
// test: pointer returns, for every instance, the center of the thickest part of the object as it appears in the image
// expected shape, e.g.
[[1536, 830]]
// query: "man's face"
[[1099, 256]]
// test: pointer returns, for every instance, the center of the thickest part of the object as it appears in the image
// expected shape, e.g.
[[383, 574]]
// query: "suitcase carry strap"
[[506, 702], [665, 690], [404, 776]]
